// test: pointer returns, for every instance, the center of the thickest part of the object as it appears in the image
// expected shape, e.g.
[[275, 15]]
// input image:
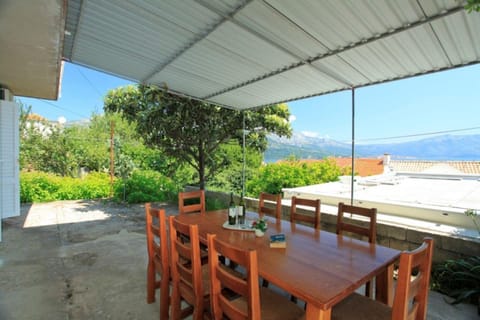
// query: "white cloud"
[[292, 118], [310, 134]]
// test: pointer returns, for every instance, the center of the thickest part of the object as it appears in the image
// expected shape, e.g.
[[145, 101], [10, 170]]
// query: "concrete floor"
[[87, 260]]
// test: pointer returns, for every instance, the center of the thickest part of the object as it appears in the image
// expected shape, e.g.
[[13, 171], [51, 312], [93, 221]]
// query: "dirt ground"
[[75, 260]]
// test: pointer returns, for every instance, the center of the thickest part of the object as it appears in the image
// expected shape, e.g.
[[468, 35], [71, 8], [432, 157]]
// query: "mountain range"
[[443, 147]]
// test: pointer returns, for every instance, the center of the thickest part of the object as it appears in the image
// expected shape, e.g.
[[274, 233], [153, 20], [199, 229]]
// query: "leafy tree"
[[229, 176], [192, 131], [472, 5], [45, 146]]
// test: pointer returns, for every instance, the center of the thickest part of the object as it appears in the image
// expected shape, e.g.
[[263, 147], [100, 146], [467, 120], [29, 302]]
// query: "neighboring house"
[[363, 166], [41, 124], [434, 191], [435, 167]]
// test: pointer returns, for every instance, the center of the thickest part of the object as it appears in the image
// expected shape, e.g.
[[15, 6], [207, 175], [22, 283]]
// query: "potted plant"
[[260, 227]]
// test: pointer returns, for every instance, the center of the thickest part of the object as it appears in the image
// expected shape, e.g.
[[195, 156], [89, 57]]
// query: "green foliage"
[[38, 187], [44, 187], [473, 214], [191, 131], [288, 174], [472, 5], [145, 186], [229, 175], [260, 224], [45, 146], [459, 279], [215, 204]]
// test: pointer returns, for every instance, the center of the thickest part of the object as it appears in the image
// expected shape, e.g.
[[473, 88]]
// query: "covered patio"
[[87, 260], [237, 54], [240, 54]]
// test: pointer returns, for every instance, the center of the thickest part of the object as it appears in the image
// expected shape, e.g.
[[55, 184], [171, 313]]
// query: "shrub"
[[145, 186], [43, 187], [38, 187], [215, 204], [459, 279], [289, 174]]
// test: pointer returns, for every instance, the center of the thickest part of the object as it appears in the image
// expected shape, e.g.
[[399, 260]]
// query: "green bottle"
[[232, 211], [241, 210]]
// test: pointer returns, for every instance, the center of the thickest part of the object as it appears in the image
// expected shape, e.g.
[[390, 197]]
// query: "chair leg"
[[176, 303], [150, 283], [368, 289], [164, 300]]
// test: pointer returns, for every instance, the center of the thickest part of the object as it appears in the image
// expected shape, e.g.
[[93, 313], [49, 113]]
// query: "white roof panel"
[[245, 54]]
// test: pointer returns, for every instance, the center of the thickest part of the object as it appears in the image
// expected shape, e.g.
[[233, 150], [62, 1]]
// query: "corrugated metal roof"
[[245, 54]]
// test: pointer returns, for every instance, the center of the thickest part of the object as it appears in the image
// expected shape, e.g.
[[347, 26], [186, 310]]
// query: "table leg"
[[314, 313], [384, 286]]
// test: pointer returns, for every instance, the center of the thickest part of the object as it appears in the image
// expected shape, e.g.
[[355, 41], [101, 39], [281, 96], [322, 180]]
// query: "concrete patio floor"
[[87, 260]]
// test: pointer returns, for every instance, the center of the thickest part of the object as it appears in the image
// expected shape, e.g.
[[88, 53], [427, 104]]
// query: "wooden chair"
[[189, 279], [369, 231], [297, 216], [158, 261], [411, 295], [271, 208], [253, 302], [266, 208], [185, 200]]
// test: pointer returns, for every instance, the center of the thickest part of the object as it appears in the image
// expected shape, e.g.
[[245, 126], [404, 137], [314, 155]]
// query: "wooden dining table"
[[318, 267]]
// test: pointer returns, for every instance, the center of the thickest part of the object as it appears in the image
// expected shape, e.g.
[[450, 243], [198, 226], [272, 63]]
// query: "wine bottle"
[[241, 210], [232, 211]]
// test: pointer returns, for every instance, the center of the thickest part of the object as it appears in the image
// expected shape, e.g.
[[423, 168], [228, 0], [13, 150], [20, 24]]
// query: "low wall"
[[391, 232]]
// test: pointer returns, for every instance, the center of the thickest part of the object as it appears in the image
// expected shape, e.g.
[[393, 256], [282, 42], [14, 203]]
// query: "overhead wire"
[[89, 82], [63, 109], [420, 134]]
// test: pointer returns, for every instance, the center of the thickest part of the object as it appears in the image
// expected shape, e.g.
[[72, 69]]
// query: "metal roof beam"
[[357, 44], [196, 40], [301, 60]]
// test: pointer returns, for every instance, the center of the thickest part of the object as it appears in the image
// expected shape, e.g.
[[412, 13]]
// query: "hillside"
[[444, 147]]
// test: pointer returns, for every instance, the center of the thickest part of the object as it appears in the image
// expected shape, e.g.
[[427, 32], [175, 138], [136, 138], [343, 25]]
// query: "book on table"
[[278, 241]]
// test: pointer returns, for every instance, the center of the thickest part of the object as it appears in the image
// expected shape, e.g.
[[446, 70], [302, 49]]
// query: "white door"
[[9, 166]]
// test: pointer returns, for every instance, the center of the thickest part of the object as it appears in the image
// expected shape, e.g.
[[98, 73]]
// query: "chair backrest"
[[247, 306], [191, 202], [295, 215], [411, 295], [158, 257], [186, 266], [157, 239], [272, 209], [369, 231]]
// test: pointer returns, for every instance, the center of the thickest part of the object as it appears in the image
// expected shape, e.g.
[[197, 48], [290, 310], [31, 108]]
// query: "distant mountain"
[[445, 147]]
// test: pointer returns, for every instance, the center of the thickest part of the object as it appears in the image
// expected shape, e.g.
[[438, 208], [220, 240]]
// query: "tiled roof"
[[35, 117], [363, 166], [424, 166]]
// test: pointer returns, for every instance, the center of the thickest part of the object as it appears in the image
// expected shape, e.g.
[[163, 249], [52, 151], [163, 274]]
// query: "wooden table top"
[[319, 267]]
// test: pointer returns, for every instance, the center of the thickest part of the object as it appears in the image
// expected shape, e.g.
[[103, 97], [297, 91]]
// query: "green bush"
[[459, 279], [215, 204], [44, 187], [289, 174], [38, 187], [145, 186]]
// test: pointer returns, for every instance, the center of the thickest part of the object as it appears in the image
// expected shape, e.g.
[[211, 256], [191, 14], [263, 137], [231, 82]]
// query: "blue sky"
[[437, 102]]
